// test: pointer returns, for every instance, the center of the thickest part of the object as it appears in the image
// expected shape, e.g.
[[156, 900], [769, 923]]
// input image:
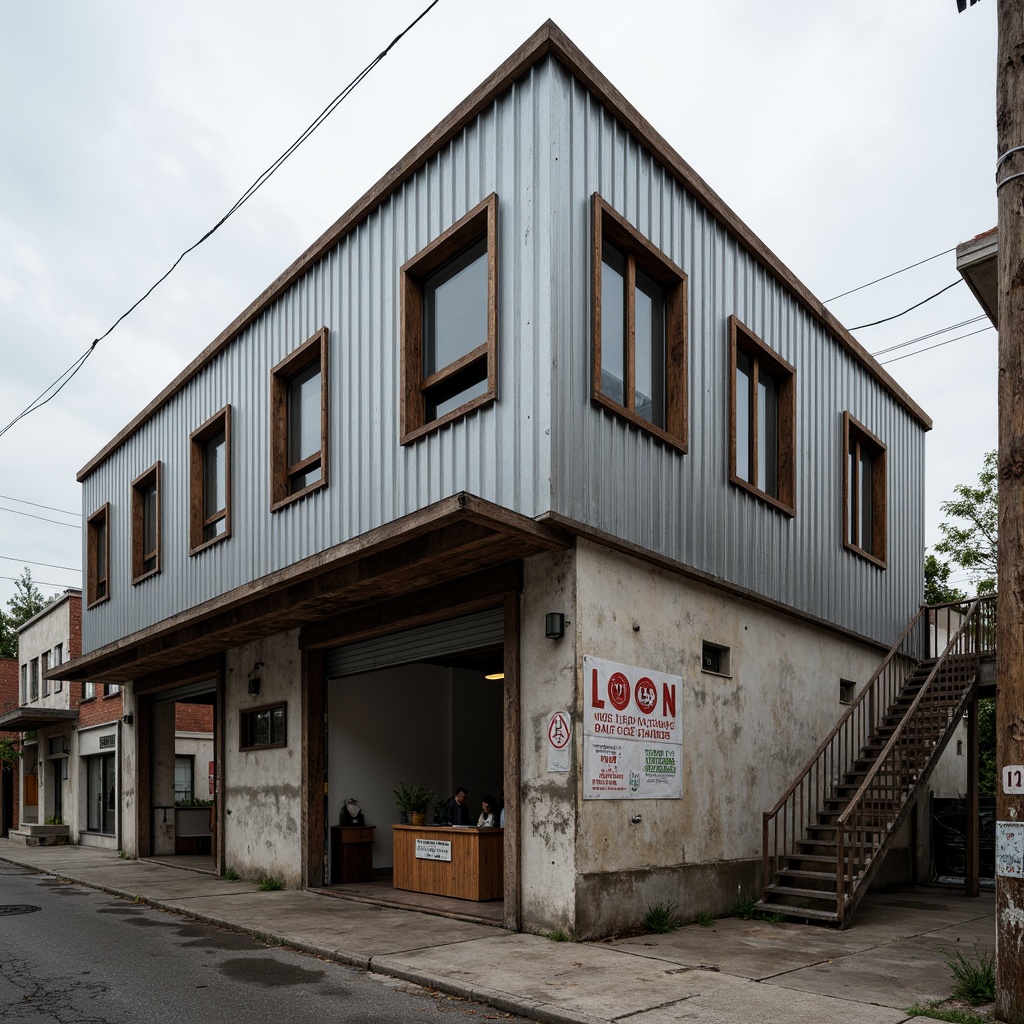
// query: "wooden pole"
[[1010, 626]]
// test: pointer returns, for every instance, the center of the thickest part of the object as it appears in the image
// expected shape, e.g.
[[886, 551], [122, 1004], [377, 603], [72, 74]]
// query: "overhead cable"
[[925, 337], [919, 263], [40, 583], [48, 565], [917, 305], [35, 504], [948, 341], [73, 526]]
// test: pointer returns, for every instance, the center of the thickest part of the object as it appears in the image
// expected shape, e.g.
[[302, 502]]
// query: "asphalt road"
[[74, 955]]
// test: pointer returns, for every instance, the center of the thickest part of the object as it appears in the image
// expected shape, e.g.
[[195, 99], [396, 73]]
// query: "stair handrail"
[[866, 693], [843, 818]]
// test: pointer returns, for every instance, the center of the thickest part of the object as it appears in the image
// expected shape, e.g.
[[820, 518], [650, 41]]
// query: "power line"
[[948, 341], [40, 583], [919, 263], [895, 316], [35, 504], [48, 565], [73, 526], [925, 337], [57, 386]]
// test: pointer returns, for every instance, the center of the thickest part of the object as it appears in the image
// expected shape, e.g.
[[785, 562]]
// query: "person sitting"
[[457, 812], [489, 813]]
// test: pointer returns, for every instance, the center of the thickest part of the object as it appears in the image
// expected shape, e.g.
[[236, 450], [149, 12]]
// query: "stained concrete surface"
[[735, 971]]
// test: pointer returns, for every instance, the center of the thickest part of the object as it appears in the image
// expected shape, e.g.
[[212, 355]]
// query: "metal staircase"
[[826, 837]]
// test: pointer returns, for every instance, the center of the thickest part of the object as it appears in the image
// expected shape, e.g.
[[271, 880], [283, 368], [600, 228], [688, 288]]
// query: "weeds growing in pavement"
[[661, 918]]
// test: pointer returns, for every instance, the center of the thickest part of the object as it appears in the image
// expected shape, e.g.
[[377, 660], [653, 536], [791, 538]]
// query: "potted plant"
[[413, 802]]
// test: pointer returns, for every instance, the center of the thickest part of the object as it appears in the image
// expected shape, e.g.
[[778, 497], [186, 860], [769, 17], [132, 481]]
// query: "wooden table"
[[351, 853], [474, 870]]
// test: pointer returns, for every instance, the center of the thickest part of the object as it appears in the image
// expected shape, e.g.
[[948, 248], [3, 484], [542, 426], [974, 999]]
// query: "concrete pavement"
[[735, 971]]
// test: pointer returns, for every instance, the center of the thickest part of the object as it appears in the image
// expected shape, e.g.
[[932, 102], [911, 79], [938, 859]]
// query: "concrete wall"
[[263, 788]]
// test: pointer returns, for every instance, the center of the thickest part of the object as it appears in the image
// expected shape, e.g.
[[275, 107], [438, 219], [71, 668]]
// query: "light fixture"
[[254, 680], [495, 675], [554, 625], [128, 719]]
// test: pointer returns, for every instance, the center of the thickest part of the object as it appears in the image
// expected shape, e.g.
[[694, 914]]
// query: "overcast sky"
[[854, 138]]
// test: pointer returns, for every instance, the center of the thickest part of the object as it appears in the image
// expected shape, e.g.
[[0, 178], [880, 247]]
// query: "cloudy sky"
[[855, 138]]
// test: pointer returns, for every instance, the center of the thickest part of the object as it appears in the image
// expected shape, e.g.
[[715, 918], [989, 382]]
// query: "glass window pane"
[[277, 726], [866, 532], [304, 414], [852, 494], [438, 408], [744, 376], [613, 324], [767, 433], [649, 397], [262, 737], [182, 778], [455, 308], [149, 522], [94, 810], [101, 550], [214, 475]]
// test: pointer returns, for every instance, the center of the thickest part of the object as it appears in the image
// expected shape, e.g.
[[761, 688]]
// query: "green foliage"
[[661, 918], [122, 855], [773, 918], [231, 874], [746, 909], [558, 936], [971, 543], [974, 979], [704, 919], [937, 1012], [26, 601], [987, 746], [270, 883], [54, 819], [937, 589], [413, 799], [10, 752]]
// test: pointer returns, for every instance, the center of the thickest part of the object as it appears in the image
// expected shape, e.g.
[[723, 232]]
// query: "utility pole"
[[1010, 628]]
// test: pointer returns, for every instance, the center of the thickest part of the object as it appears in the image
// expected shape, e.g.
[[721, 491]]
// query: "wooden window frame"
[[480, 222], [220, 420], [742, 338], [140, 484], [312, 351], [95, 573], [246, 714], [855, 432], [608, 224]]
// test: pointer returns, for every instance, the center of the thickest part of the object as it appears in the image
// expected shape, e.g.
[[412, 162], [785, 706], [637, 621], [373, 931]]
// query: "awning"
[[25, 719]]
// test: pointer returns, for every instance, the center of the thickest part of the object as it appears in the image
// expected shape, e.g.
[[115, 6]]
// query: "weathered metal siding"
[[500, 453], [621, 481]]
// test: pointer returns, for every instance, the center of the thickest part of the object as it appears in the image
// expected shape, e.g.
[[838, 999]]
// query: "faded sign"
[[1010, 849], [632, 732], [1013, 778], [559, 735], [433, 849]]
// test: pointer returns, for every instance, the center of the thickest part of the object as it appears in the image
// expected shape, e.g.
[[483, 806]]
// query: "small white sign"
[[433, 849], [1013, 778], [1010, 849], [559, 735]]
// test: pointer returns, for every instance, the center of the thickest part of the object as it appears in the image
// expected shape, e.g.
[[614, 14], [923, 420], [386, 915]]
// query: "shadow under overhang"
[[28, 718]]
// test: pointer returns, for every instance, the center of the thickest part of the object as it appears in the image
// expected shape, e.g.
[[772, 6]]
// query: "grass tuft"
[[954, 1016], [231, 874], [558, 936], [974, 979], [746, 909], [661, 918], [269, 883], [704, 919]]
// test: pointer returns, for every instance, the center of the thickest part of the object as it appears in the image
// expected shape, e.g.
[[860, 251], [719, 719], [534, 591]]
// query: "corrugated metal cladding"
[[543, 147], [474, 632]]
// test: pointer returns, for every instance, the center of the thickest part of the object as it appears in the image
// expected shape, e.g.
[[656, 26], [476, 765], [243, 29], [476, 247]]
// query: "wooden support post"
[[1010, 610], [972, 867]]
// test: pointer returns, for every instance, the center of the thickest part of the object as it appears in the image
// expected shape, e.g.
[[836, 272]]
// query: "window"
[[101, 793], [639, 329], [762, 434], [111, 689], [44, 668], [146, 524], [34, 676], [98, 556], [262, 727], [450, 324], [864, 530], [298, 422], [24, 684], [847, 691], [58, 659], [210, 472], [714, 658], [184, 778], [88, 691]]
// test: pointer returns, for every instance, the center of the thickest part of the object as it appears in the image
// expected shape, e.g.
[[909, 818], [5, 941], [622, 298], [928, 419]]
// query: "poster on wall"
[[632, 732], [1009, 849]]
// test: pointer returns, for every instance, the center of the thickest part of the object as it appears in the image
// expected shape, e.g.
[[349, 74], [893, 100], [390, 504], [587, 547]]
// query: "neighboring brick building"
[[10, 775]]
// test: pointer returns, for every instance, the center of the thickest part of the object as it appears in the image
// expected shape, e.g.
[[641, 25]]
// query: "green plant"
[[661, 918], [975, 979], [745, 909], [440, 809], [10, 753], [231, 874], [773, 918], [268, 883], [193, 802], [558, 936], [122, 854], [54, 819], [704, 919], [413, 799], [937, 1012]]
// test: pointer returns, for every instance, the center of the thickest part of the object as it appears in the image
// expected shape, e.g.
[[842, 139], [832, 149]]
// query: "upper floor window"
[[210, 482], [262, 727], [639, 328], [298, 421], [34, 676], [98, 556], [762, 434], [88, 691], [24, 684], [44, 668], [58, 659], [864, 497], [450, 323], [146, 524]]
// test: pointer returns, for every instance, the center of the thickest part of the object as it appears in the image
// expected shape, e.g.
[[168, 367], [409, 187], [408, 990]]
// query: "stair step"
[[801, 912], [823, 876], [808, 894]]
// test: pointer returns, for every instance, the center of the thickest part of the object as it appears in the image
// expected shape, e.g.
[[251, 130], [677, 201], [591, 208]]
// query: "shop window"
[[98, 556], [263, 727], [210, 482], [762, 427], [146, 524], [639, 329], [450, 324], [298, 422], [715, 659], [864, 496], [101, 794]]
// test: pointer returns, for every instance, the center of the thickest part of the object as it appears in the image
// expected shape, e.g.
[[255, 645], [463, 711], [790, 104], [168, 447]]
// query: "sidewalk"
[[736, 972]]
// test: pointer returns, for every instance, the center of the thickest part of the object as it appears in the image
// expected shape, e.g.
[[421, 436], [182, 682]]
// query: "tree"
[[937, 589], [27, 600], [10, 752], [972, 545]]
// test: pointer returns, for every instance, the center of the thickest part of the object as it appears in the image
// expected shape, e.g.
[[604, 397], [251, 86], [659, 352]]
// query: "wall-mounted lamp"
[[128, 719], [495, 675], [254, 679], [554, 625]]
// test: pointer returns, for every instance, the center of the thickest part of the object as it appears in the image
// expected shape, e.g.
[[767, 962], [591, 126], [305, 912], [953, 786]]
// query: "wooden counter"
[[476, 870], [351, 853]]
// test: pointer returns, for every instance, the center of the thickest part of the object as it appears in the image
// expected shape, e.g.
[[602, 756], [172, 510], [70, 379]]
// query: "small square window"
[[864, 497], [450, 324], [146, 524], [639, 329], [298, 422], [715, 659], [98, 556], [847, 691], [111, 689], [762, 424], [88, 691], [210, 484], [262, 727]]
